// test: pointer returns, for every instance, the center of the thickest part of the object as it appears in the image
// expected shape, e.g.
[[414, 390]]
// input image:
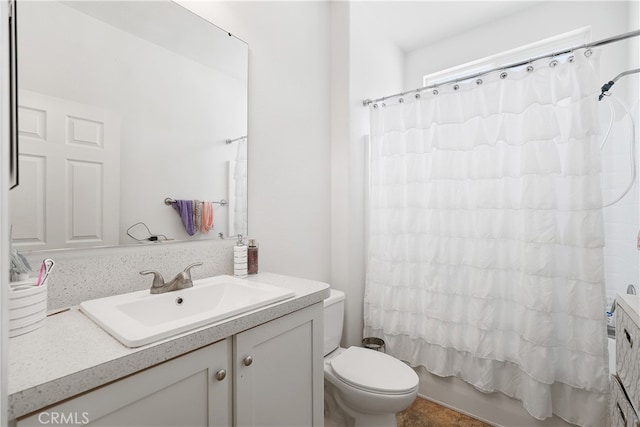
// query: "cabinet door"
[[278, 371], [621, 412], [181, 392], [628, 355]]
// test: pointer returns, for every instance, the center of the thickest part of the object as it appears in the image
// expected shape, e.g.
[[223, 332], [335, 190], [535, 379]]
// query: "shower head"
[[605, 88]]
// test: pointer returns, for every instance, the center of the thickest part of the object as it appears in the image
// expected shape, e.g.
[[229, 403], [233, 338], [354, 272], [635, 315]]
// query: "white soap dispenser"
[[240, 258]]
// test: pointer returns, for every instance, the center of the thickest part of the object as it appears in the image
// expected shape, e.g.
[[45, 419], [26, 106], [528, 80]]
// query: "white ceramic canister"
[[240, 259], [27, 307]]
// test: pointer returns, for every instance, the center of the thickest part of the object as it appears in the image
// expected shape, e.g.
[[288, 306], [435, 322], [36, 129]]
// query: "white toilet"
[[366, 385]]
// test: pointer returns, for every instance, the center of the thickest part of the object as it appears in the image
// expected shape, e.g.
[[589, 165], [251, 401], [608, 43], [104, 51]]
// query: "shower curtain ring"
[[554, 62], [530, 67]]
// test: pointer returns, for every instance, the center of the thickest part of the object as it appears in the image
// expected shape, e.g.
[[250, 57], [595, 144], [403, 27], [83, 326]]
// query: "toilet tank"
[[333, 320]]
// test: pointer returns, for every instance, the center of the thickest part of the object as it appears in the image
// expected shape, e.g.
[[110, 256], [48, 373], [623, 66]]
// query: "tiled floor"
[[424, 413]]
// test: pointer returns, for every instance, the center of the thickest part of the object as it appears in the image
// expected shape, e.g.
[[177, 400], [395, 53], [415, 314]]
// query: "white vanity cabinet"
[[625, 383], [192, 390], [269, 375]]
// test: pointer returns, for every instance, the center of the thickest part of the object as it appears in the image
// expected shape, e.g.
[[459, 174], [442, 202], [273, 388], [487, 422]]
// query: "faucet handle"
[[158, 280], [187, 270]]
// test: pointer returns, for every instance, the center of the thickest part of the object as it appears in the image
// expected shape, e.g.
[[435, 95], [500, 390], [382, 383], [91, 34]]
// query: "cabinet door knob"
[[221, 374], [247, 361]]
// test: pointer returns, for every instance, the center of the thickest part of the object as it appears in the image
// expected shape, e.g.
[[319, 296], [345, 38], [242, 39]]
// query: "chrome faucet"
[[181, 281]]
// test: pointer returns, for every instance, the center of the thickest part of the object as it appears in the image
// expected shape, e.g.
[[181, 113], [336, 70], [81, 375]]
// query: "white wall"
[[363, 64], [341, 261], [289, 122]]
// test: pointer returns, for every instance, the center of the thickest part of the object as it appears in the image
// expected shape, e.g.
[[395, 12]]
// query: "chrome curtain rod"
[[512, 65]]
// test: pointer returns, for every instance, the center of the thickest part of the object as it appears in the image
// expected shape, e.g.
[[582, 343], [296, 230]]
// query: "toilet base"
[[334, 416], [367, 420]]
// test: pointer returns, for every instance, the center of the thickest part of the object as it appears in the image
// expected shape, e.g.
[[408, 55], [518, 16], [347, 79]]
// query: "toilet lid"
[[373, 370]]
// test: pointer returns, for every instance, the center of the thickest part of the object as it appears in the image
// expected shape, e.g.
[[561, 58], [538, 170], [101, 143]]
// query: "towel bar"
[[169, 200]]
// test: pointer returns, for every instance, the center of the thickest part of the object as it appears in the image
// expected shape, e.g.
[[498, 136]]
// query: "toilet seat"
[[374, 371]]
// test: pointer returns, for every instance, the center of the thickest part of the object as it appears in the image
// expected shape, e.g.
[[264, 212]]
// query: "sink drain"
[[179, 301]]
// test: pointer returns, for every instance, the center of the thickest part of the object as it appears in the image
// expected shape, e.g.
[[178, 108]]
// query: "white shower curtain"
[[485, 236]]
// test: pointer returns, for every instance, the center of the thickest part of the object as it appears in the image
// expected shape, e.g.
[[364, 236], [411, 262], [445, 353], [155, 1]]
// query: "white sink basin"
[[139, 318]]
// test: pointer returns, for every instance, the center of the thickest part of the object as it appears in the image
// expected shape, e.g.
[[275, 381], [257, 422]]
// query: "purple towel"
[[185, 209]]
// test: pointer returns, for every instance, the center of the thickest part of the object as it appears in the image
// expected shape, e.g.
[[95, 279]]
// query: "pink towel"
[[207, 217]]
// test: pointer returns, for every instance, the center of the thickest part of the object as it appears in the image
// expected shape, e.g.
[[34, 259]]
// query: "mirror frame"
[[14, 172]]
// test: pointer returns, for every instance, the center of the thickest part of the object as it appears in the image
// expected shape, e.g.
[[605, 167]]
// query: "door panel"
[[76, 182]]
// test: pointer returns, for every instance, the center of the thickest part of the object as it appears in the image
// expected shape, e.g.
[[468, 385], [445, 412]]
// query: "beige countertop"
[[71, 354]]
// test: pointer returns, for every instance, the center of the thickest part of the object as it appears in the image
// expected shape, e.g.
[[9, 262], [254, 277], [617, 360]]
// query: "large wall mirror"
[[124, 104]]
